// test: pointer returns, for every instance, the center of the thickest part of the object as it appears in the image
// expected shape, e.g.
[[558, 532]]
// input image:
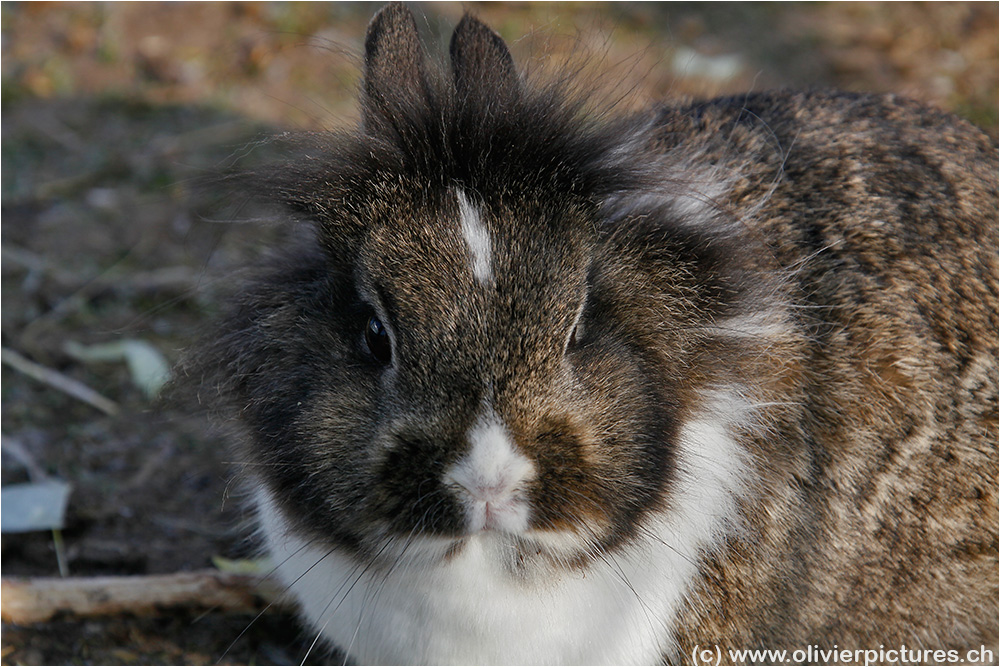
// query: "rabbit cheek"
[[407, 494], [599, 487], [569, 496], [315, 463]]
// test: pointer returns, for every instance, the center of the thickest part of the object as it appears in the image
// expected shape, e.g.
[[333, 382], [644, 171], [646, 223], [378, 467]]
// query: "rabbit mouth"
[[495, 509], [522, 555]]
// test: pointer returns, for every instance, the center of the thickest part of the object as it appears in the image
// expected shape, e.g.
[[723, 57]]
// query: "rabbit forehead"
[[442, 265]]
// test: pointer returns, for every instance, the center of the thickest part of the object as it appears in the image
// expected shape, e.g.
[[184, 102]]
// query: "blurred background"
[[114, 259]]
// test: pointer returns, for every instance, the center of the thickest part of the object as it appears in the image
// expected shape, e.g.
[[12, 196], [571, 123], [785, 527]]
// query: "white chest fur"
[[467, 610]]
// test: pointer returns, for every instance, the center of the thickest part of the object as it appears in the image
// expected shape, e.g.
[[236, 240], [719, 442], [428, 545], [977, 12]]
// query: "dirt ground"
[[113, 113]]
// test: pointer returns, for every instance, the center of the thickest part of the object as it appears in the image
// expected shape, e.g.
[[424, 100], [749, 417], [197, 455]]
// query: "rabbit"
[[553, 385]]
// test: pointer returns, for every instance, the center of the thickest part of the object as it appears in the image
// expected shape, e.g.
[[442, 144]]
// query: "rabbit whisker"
[[270, 604]]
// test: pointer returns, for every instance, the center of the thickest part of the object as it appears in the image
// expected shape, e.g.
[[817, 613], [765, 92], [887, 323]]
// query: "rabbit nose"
[[490, 479]]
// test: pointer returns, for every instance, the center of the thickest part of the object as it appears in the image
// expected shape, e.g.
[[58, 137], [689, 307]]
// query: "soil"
[[113, 114]]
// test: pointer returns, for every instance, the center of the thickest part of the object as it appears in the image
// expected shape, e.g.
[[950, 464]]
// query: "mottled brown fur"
[[828, 259], [882, 528]]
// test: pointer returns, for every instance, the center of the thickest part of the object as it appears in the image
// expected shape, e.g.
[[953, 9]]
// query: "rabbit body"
[[555, 388]]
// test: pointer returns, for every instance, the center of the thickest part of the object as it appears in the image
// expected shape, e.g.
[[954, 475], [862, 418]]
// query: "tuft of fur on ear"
[[395, 73], [480, 56]]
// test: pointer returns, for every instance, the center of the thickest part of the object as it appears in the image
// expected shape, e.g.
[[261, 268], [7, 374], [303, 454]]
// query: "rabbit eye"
[[377, 339]]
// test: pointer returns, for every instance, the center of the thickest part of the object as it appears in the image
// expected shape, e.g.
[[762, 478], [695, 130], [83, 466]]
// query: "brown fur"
[[883, 530], [831, 256]]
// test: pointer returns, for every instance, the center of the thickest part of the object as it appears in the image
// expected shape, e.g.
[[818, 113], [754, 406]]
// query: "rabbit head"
[[479, 342]]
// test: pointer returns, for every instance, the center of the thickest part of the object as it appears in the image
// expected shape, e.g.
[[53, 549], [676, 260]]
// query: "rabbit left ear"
[[394, 64], [480, 58]]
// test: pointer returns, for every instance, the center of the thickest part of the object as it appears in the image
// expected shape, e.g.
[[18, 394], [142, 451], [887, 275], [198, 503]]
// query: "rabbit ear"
[[394, 63], [480, 58]]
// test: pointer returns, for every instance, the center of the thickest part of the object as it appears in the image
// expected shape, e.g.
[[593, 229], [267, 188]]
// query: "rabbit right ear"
[[394, 64], [479, 57]]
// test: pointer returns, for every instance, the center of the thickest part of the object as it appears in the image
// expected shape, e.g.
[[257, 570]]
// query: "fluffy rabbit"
[[550, 387]]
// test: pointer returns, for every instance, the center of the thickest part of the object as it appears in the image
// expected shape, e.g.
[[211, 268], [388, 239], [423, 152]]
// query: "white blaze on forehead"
[[476, 237]]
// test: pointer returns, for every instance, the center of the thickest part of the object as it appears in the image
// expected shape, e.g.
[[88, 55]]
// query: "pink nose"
[[495, 508]]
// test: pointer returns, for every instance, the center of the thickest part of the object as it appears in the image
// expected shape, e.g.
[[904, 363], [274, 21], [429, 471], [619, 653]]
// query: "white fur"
[[469, 609], [765, 324], [490, 477], [694, 199], [477, 237]]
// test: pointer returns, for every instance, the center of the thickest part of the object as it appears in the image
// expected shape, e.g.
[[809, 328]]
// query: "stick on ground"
[[36, 600], [55, 379]]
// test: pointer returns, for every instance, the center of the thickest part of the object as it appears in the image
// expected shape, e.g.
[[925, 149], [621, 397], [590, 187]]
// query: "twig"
[[60, 547], [36, 600], [16, 449], [57, 380]]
